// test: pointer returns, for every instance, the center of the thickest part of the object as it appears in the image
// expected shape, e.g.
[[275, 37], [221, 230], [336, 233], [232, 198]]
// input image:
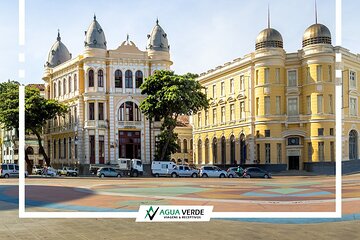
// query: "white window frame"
[[214, 111], [320, 109], [319, 73], [232, 112], [232, 86], [296, 77], [214, 91], [266, 75], [355, 108], [223, 114], [278, 105], [222, 88], [352, 81], [297, 107], [267, 105], [277, 75]]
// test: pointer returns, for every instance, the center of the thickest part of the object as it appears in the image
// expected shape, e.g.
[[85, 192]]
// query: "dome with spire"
[[157, 40], [58, 53], [269, 37], [315, 34], [95, 36]]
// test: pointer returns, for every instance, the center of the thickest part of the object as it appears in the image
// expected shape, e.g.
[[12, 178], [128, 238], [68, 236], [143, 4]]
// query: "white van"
[[10, 170], [162, 168]]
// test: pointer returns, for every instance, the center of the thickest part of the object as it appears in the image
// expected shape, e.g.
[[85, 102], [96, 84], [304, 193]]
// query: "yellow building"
[[101, 88], [184, 154], [277, 108]]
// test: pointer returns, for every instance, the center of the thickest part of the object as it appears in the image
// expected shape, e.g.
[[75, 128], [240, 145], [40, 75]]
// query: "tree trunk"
[[164, 149], [41, 148], [29, 165]]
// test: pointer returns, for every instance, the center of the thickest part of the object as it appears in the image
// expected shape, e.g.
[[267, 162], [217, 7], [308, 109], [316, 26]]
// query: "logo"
[[174, 213], [151, 210]]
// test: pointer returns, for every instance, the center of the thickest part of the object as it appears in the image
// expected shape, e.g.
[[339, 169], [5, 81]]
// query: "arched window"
[[199, 152], [179, 146], [30, 151], [70, 85], [128, 79], [207, 151], [100, 78], [75, 82], [138, 78], [214, 150], [54, 90], [232, 150], [118, 79], [64, 86], [129, 111], [91, 78], [223, 150], [59, 89], [185, 146], [242, 149], [353, 145]]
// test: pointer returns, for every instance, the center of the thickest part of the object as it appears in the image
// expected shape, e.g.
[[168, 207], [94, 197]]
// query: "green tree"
[[37, 111], [169, 96]]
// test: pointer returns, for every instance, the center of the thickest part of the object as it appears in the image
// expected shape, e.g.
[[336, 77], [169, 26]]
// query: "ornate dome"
[[157, 40], [269, 37], [58, 53], [315, 34], [95, 36]]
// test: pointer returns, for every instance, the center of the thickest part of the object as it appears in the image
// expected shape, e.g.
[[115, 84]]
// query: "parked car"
[[49, 171], [37, 169], [235, 172], [212, 171], [8, 170], [253, 172], [108, 172], [68, 171], [183, 171]]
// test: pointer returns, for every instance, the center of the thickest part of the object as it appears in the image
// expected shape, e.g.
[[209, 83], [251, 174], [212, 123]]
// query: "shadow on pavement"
[[40, 196]]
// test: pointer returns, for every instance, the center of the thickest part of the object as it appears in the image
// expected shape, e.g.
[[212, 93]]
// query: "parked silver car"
[[108, 172], [212, 171], [184, 171], [10, 170]]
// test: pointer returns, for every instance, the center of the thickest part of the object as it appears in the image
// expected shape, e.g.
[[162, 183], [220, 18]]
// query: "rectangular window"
[[266, 75], [222, 114], [214, 115], [321, 151], [199, 119], [320, 131], [258, 152], [278, 105], [232, 112], [278, 149], [267, 153], [352, 79], [293, 106], [242, 110], [330, 73], [353, 106], [75, 151], [101, 111], [330, 103], [308, 75], [64, 149], [292, 81], [232, 86], [222, 89], [332, 151], [242, 82], [331, 132], [69, 150], [206, 117], [101, 147], [320, 104], [267, 133], [91, 111], [277, 75], [257, 77], [267, 105], [257, 107], [319, 73], [310, 151], [214, 91], [308, 104], [92, 149]]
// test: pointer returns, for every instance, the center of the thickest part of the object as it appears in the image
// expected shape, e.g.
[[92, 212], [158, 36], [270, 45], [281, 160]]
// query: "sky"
[[202, 34]]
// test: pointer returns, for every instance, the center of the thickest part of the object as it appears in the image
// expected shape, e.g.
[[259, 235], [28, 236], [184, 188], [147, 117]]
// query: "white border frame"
[[338, 187]]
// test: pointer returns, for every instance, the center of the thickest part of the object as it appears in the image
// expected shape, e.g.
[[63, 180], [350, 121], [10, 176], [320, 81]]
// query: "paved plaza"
[[282, 193]]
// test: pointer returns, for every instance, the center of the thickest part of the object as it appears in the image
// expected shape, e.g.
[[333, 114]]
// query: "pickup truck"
[[68, 171], [183, 171]]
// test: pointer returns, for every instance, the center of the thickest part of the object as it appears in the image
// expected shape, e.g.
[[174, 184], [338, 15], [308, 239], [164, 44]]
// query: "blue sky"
[[203, 34]]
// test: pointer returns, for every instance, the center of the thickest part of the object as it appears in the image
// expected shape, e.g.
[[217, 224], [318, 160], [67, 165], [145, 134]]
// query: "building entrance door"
[[294, 162], [130, 144]]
